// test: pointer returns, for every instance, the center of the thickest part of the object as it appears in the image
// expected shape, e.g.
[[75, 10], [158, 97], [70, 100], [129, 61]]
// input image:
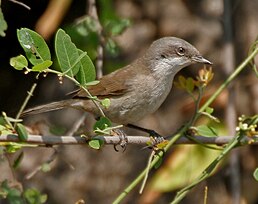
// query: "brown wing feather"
[[113, 84]]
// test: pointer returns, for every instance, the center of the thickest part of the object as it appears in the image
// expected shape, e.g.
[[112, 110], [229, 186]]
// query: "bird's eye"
[[180, 51]]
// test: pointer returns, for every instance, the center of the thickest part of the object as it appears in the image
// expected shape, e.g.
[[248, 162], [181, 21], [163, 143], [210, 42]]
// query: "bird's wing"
[[113, 84]]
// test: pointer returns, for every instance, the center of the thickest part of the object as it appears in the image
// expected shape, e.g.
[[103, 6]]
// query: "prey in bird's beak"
[[201, 59]]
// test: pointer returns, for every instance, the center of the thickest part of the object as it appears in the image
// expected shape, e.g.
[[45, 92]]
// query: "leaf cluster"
[[13, 195]]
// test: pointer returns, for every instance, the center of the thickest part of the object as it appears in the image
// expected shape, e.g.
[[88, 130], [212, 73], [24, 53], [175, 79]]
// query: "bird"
[[137, 89]]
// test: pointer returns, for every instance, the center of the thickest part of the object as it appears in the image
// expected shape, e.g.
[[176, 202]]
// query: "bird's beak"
[[201, 59]]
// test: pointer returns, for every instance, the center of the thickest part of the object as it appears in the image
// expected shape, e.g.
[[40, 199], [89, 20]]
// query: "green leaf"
[[105, 102], [117, 26], [12, 148], [207, 131], [18, 160], [19, 62], [34, 45], [33, 196], [190, 84], [42, 66], [255, 174], [4, 130], [86, 26], [102, 124], [172, 175], [92, 83], [95, 143], [45, 167], [86, 71], [22, 132], [209, 110], [3, 24], [12, 195], [67, 53], [111, 47], [181, 82]]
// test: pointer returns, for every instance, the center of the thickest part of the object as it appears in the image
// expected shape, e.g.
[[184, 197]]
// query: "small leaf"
[[102, 123], [22, 132], [33, 196], [105, 102], [45, 167], [12, 195], [255, 174], [67, 53], [207, 131], [86, 71], [12, 148], [19, 62], [117, 26], [209, 110], [34, 45], [189, 84], [18, 160], [162, 144], [42, 66], [92, 83], [86, 26], [180, 83], [4, 130], [111, 47], [95, 143], [3, 24]]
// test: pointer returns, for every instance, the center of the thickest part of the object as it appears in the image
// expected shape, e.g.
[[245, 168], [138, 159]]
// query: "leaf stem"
[[30, 93], [78, 84], [229, 79]]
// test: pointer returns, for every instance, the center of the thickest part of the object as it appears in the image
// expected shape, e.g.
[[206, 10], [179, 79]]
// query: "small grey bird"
[[137, 89]]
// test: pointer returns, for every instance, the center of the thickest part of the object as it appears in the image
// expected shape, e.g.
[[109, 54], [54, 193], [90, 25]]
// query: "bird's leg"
[[122, 136], [157, 137]]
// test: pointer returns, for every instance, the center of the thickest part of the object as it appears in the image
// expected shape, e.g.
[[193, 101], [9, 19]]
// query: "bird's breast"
[[145, 96]]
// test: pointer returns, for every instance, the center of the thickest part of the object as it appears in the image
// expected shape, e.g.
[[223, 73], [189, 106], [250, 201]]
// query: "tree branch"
[[111, 140]]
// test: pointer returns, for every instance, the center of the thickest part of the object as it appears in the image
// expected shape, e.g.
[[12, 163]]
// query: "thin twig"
[[39, 167], [77, 124], [21, 4], [111, 140], [92, 12], [78, 84], [30, 93], [147, 173]]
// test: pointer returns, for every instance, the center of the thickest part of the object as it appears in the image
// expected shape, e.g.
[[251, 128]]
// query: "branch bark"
[[111, 140]]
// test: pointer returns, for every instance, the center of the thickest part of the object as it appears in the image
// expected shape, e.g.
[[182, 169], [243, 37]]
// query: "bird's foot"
[[157, 138], [123, 140]]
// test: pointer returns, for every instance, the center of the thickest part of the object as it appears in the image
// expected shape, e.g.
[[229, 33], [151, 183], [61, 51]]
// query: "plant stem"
[[229, 79], [30, 93], [207, 172], [78, 84]]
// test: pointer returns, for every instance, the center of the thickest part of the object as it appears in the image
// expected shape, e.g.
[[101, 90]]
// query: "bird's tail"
[[51, 107]]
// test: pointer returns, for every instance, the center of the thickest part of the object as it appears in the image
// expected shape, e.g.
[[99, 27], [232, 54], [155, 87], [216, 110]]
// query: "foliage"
[[111, 26], [14, 196], [3, 24]]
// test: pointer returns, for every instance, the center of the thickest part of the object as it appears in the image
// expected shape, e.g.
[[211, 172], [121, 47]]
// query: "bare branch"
[[100, 50], [111, 140], [21, 4]]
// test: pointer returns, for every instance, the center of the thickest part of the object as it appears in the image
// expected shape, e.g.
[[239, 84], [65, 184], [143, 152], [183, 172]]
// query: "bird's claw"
[[123, 140]]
